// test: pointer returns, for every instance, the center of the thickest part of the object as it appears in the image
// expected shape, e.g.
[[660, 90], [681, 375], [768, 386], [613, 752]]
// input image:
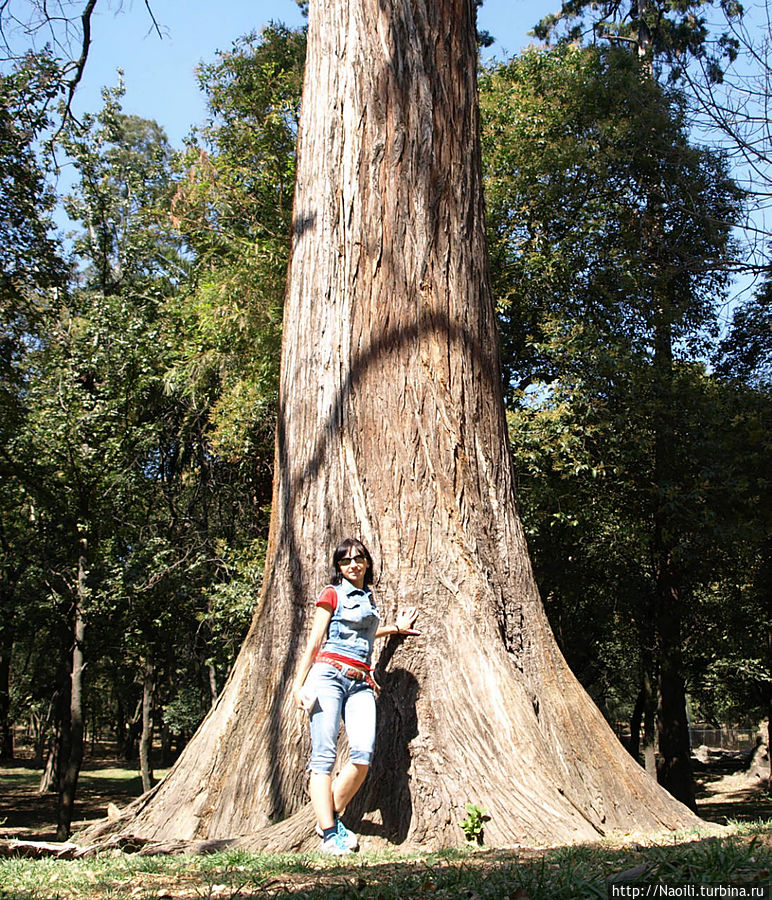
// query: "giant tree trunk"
[[391, 427]]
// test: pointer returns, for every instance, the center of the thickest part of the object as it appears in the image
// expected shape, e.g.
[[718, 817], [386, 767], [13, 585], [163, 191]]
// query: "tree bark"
[[391, 427], [636, 720], [674, 765], [48, 779], [9, 580]]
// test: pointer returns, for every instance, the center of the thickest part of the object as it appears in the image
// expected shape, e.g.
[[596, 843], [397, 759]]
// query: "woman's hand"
[[406, 620], [302, 697]]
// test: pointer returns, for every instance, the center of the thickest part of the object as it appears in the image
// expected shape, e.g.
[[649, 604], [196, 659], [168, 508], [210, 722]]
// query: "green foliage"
[[234, 206], [662, 32], [91, 448], [599, 207], [473, 825], [571, 141], [29, 254], [184, 711], [746, 351], [144, 395]]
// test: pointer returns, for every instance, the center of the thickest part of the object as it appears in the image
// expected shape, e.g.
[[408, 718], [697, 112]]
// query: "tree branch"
[[80, 65], [153, 19]]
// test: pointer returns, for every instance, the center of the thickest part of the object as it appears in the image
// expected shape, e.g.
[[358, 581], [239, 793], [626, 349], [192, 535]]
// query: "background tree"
[[30, 266], [61, 27], [90, 378], [729, 103], [184, 545], [234, 206], [663, 38], [578, 280]]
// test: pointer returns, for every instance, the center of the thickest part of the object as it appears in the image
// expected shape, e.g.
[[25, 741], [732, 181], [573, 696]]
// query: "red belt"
[[349, 671]]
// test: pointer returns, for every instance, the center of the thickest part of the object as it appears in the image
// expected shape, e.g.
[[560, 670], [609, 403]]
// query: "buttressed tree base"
[[391, 428]]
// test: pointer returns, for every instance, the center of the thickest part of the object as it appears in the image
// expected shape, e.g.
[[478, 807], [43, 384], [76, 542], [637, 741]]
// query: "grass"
[[743, 855]]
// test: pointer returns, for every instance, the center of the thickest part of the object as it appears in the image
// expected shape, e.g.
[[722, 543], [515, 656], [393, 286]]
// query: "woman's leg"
[[347, 783], [325, 722], [359, 718], [320, 789]]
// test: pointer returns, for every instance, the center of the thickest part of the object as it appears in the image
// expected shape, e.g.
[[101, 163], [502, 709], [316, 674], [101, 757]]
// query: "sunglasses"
[[347, 560]]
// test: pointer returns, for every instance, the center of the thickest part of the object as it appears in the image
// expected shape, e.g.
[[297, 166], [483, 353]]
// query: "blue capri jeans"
[[340, 697]]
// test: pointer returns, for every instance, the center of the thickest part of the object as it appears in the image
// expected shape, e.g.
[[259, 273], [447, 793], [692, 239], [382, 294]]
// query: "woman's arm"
[[315, 641], [405, 621]]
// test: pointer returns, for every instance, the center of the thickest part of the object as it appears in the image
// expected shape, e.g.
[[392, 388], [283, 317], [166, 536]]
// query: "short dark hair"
[[343, 549]]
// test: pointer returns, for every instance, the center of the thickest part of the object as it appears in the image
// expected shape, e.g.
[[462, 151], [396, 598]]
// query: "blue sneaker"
[[348, 837], [334, 845]]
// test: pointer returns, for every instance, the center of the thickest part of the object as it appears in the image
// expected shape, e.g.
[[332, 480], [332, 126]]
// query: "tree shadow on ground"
[[745, 805], [26, 814]]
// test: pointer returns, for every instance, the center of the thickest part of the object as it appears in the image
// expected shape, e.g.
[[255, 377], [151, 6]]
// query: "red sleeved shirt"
[[329, 598]]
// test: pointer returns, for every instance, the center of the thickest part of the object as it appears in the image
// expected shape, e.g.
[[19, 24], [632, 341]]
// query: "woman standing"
[[335, 681]]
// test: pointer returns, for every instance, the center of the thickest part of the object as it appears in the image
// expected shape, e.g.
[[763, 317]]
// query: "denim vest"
[[352, 628]]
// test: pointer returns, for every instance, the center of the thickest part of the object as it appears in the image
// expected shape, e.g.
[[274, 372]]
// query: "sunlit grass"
[[741, 855]]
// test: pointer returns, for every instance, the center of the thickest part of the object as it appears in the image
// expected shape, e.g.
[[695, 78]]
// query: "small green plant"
[[473, 824]]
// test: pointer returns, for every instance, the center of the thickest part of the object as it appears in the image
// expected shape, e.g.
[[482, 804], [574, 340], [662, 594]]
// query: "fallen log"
[[39, 849]]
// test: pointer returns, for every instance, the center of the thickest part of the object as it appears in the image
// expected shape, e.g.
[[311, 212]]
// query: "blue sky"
[[159, 73]]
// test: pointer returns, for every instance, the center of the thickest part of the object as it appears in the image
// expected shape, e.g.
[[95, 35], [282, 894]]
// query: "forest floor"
[[729, 790], [27, 815], [726, 793]]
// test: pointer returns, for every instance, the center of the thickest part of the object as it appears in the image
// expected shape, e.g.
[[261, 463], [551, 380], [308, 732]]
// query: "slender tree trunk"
[[674, 768], [647, 697], [146, 739], [133, 734], [391, 427], [8, 604], [636, 721], [769, 715], [58, 721], [166, 744], [72, 760], [649, 690], [38, 733], [213, 689], [48, 779], [643, 726], [6, 723], [673, 764], [121, 727]]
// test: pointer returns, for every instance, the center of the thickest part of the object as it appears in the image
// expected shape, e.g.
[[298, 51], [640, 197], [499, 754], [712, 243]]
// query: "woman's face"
[[353, 566]]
